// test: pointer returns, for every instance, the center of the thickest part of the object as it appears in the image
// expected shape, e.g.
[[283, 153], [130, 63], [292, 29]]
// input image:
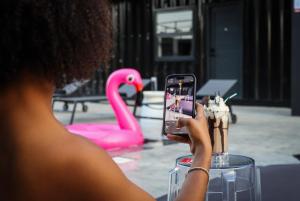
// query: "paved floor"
[[269, 135]]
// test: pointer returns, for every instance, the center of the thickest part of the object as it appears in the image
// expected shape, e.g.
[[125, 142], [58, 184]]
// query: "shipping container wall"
[[157, 48]]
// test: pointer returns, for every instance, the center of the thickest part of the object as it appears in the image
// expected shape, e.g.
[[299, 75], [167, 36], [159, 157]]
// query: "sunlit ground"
[[269, 135]]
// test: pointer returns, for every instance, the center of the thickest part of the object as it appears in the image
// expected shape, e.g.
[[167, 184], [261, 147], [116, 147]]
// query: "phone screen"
[[179, 102]]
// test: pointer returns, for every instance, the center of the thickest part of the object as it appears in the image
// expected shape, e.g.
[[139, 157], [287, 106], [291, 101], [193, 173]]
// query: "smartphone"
[[179, 102]]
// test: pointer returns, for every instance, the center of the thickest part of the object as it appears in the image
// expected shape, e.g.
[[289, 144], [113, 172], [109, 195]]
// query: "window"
[[174, 34]]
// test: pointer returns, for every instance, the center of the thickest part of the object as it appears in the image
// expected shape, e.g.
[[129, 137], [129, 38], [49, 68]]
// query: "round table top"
[[234, 161]]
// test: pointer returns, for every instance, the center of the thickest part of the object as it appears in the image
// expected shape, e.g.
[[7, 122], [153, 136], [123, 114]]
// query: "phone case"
[[194, 99]]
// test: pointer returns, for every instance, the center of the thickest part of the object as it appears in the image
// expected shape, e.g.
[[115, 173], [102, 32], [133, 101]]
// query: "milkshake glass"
[[217, 113]]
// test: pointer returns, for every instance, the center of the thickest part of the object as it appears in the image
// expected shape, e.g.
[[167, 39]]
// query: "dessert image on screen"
[[179, 103]]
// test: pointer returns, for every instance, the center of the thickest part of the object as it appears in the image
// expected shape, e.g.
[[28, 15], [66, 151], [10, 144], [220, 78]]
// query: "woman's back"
[[39, 159]]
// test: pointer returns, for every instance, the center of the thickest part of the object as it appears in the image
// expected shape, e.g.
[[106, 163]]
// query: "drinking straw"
[[230, 97]]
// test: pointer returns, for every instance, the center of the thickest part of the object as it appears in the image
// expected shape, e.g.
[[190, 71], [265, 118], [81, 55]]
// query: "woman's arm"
[[94, 176], [97, 177], [195, 185]]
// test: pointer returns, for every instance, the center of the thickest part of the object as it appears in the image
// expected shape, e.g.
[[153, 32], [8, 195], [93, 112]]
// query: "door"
[[225, 44]]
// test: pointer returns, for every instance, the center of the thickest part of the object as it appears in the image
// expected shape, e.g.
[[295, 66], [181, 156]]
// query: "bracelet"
[[199, 168]]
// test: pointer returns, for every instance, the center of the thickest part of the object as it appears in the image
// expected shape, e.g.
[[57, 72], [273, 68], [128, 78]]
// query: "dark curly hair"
[[58, 40]]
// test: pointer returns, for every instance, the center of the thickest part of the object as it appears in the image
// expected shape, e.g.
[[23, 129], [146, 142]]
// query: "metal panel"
[[257, 48], [267, 44], [269, 49], [295, 65], [281, 49]]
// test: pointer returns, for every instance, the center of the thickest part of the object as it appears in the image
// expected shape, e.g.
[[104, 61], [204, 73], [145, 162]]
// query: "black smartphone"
[[179, 102]]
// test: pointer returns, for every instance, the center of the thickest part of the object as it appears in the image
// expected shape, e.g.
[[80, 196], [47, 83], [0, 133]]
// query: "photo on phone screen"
[[179, 102]]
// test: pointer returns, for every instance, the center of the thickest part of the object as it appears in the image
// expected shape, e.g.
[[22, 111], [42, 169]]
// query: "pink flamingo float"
[[115, 136]]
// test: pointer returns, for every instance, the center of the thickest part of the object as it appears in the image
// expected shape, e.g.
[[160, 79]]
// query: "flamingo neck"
[[124, 117]]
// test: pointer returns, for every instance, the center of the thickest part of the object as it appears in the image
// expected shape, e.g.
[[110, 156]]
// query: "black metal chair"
[[127, 92]]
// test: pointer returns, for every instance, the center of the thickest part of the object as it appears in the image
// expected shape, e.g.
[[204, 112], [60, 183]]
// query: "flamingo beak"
[[139, 87]]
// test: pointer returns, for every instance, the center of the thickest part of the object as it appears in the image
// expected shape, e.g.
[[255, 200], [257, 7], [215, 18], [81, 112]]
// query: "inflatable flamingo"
[[127, 132]]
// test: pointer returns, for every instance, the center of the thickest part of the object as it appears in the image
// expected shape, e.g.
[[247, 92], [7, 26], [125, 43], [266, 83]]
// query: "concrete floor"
[[269, 135]]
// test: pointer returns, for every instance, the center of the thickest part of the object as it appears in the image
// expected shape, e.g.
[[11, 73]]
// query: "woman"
[[46, 43]]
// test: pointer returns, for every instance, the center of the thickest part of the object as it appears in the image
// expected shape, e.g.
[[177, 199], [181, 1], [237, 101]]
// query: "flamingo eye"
[[130, 78]]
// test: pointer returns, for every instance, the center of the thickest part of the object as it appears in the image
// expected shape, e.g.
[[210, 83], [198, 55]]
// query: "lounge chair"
[[67, 97]]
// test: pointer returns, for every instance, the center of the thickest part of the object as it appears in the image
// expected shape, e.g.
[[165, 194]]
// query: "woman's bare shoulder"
[[63, 166], [90, 171], [81, 154]]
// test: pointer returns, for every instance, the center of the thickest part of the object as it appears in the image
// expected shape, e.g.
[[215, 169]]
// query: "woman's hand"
[[198, 138]]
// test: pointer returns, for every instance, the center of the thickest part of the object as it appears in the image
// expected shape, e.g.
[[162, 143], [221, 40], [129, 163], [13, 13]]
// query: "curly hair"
[[58, 40]]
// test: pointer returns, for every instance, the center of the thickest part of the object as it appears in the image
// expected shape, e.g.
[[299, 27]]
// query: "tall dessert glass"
[[217, 113]]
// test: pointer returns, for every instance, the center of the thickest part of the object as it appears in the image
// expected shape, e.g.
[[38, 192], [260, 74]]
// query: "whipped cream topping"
[[217, 109]]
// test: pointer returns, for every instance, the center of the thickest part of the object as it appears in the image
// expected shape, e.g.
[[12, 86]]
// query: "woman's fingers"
[[183, 139], [184, 122], [200, 111]]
